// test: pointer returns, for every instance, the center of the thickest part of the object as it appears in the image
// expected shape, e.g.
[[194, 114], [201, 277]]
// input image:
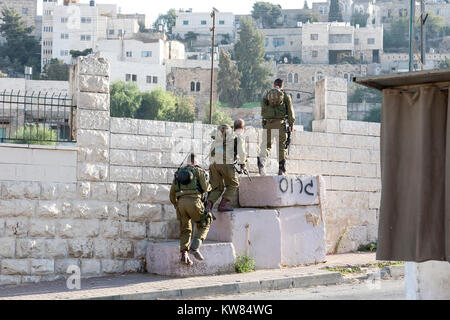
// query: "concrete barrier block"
[[278, 191], [164, 259], [253, 232], [302, 236], [326, 125]]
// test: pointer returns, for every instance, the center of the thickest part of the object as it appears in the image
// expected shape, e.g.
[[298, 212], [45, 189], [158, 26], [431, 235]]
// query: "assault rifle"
[[288, 140], [239, 170]]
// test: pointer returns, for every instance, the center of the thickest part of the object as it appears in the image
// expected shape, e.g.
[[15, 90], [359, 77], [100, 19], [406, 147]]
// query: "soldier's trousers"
[[266, 144], [222, 177], [189, 210]]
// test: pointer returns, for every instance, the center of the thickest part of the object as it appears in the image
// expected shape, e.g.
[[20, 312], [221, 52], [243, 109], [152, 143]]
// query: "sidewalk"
[[150, 287]]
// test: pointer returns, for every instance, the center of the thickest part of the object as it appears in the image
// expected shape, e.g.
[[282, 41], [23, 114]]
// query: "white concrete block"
[[93, 154], [92, 138], [354, 127], [96, 84], [302, 236], [126, 174], [93, 119], [129, 192], [7, 247], [122, 249], [91, 65], [92, 172], [261, 240], [42, 266], [123, 157], [151, 127], [15, 267], [145, 212], [93, 101], [326, 125], [278, 191], [128, 141], [104, 191], [219, 259], [124, 125], [427, 280]]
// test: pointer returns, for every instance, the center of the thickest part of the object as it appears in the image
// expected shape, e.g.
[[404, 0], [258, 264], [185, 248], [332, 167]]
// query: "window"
[[403, 12], [370, 41], [203, 22], [185, 22], [64, 20], [48, 29], [155, 79], [111, 32], [314, 54], [127, 77], [149, 79], [2, 134], [64, 53], [192, 86], [197, 87], [221, 21], [296, 78], [314, 36], [346, 77], [134, 77], [129, 54], [85, 37], [146, 54], [298, 95], [290, 78], [48, 12], [24, 10], [340, 38], [267, 42], [356, 41], [278, 42], [65, 36], [120, 32], [86, 20]]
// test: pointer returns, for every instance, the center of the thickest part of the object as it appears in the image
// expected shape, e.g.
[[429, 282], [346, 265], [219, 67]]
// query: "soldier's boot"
[[225, 205], [195, 249], [261, 167], [185, 258], [209, 206], [282, 168]]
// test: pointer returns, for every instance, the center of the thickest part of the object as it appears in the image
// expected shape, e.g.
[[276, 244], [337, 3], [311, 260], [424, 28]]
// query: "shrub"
[[244, 264], [36, 135], [368, 247]]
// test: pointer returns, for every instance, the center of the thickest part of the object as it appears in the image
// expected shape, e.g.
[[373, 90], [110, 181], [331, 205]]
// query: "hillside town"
[[299, 148]]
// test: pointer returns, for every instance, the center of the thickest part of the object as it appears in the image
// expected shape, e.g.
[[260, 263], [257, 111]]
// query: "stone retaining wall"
[[101, 220]]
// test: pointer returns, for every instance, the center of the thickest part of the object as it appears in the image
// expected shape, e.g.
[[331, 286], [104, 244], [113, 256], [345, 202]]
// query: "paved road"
[[382, 290]]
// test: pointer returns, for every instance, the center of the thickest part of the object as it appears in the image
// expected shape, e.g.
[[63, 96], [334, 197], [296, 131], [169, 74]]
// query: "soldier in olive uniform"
[[276, 109], [188, 187], [227, 148]]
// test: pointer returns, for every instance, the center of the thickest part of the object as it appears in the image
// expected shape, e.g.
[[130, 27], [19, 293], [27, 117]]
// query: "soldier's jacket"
[[194, 190], [227, 146], [282, 111]]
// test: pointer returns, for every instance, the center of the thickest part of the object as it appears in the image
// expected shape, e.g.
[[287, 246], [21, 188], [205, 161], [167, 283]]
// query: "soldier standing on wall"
[[276, 109], [188, 187], [227, 148]]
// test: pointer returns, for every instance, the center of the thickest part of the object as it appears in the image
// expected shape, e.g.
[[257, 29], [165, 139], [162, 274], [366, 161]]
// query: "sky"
[[154, 7]]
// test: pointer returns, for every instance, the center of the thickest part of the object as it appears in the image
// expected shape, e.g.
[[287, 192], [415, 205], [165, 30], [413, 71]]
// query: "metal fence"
[[40, 117]]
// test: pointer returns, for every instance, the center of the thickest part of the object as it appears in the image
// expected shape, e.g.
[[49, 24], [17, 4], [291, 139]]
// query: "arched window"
[[319, 75], [346, 77], [296, 78], [298, 95], [192, 86], [291, 95], [198, 86], [290, 78]]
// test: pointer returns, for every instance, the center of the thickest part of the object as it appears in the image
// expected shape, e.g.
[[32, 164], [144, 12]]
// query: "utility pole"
[[213, 16], [411, 33], [423, 51]]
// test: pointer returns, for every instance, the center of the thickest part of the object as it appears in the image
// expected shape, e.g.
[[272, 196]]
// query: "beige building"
[[194, 82], [283, 41]]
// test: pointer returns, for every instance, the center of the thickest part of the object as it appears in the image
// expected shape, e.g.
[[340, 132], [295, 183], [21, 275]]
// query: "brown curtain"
[[415, 171]]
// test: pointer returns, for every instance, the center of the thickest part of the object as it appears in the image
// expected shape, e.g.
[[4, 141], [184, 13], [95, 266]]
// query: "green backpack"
[[276, 108], [186, 181]]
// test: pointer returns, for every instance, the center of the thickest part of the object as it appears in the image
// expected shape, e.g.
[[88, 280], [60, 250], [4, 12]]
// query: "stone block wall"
[[107, 196]]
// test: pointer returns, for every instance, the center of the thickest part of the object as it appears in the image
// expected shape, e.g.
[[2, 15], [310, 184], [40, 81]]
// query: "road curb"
[[303, 281]]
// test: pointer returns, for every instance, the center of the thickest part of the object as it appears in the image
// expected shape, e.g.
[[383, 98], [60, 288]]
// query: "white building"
[[329, 43], [78, 26], [138, 61], [200, 23]]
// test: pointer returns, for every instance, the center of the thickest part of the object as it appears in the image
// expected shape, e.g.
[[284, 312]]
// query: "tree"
[[78, 53], [228, 80], [359, 18], [57, 70], [220, 116], [374, 115], [444, 64], [305, 5], [169, 19], [249, 52], [397, 37], [306, 16], [125, 99], [267, 12], [335, 13], [20, 45], [183, 110], [190, 37]]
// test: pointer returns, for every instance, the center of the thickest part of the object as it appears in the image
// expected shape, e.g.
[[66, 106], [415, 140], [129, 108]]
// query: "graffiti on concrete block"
[[300, 185]]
